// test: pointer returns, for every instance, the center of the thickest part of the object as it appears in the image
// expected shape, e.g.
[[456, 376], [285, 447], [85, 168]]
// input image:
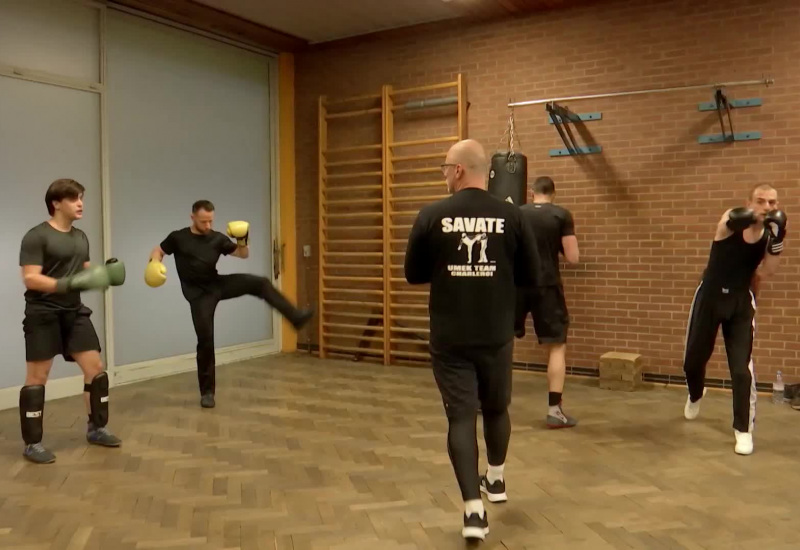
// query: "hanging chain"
[[511, 132]]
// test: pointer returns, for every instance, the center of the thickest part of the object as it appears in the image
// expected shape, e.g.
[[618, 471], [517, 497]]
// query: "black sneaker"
[[303, 317], [495, 492], [207, 401], [475, 527], [37, 454]]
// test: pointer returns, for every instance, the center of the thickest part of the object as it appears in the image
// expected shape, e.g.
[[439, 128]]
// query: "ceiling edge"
[[218, 22]]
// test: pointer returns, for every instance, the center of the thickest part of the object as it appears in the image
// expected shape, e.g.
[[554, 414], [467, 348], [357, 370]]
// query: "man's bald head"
[[465, 166], [469, 153]]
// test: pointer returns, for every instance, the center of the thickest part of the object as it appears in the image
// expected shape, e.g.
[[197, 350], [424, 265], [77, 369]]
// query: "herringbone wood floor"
[[307, 454]]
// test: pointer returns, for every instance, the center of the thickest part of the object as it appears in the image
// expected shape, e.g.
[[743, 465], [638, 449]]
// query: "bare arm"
[[157, 254], [570, 245], [34, 280], [723, 231], [242, 252], [769, 267]]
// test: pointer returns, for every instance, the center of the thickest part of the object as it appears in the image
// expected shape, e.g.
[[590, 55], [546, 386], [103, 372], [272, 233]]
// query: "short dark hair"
[[208, 206], [761, 187], [544, 186], [61, 189]]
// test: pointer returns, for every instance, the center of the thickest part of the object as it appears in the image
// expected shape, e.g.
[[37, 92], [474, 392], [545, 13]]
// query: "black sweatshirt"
[[475, 250]]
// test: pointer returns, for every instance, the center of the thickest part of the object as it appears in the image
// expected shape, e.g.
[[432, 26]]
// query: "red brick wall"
[[646, 208]]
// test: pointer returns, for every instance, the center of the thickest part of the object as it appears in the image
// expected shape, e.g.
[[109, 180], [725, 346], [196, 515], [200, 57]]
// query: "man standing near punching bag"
[[472, 324], [554, 230]]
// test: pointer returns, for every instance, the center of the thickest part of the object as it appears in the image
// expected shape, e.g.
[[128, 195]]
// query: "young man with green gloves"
[[54, 257]]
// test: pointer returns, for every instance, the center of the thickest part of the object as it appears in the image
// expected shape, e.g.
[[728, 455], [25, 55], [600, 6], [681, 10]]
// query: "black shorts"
[[50, 332], [549, 310], [473, 376]]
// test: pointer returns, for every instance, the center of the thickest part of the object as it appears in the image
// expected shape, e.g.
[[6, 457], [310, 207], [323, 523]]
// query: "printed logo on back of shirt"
[[473, 244]]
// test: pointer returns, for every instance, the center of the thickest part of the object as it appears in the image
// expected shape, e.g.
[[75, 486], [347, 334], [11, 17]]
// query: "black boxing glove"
[[740, 219], [775, 222]]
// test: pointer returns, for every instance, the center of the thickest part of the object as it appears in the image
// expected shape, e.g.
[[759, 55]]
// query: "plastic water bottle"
[[777, 389]]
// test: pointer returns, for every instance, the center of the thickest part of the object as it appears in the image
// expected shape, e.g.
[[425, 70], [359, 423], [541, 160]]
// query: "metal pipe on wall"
[[764, 82], [428, 103]]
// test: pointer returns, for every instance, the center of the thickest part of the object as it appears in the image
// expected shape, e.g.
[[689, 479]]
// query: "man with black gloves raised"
[[54, 257], [473, 249], [746, 248]]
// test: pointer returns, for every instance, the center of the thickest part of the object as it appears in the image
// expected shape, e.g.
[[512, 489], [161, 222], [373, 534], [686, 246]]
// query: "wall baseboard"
[[653, 378], [138, 372], [666, 379], [149, 370]]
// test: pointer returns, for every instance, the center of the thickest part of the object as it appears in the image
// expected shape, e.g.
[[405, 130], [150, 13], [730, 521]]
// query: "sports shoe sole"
[[560, 426], [491, 497], [104, 444], [475, 533], [30, 459], [494, 497]]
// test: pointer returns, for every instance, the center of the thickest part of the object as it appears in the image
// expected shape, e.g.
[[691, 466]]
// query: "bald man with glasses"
[[474, 250]]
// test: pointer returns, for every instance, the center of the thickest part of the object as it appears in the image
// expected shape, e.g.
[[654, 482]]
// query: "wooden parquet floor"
[[305, 454]]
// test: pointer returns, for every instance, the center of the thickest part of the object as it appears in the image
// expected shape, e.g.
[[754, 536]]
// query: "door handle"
[[278, 252], [276, 259]]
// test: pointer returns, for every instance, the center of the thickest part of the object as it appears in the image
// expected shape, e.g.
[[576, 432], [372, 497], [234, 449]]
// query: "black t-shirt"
[[475, 250], [196, 258], [61, 254], [733, 262], [549, 223]]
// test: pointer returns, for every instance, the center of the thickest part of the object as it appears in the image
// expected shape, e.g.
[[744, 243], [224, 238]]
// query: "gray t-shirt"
[[61, 254]]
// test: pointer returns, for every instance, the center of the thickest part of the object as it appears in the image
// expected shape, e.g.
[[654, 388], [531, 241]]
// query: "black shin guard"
[[31, 413], [98, 399]]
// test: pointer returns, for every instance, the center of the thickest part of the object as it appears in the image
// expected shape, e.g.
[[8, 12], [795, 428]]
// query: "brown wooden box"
[[620, 371]]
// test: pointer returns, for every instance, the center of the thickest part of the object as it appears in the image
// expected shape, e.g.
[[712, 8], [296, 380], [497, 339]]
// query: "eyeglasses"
[[444, 167]]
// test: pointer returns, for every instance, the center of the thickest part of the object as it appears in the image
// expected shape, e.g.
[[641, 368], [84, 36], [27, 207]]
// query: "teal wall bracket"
[[734, 103], [724, 107], [561, 117], [588, 150], [720, 138], [577, 117]]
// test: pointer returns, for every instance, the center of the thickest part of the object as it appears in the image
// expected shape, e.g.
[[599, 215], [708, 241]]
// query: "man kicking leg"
[[197, 250]]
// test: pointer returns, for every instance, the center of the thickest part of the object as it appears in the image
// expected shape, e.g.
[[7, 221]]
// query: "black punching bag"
[[508, 177]]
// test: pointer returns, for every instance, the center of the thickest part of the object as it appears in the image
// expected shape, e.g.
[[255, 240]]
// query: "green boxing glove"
[[96, 277], [116, 272]]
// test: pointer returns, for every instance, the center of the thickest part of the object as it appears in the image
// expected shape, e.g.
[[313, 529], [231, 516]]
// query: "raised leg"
[[241, 284]]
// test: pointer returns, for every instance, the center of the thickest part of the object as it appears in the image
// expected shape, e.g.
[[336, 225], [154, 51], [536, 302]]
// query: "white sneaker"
[[744, 442], [691, 410]]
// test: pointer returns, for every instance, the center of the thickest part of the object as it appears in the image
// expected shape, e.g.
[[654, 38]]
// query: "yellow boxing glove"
[[239, 231], [155, 274]]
